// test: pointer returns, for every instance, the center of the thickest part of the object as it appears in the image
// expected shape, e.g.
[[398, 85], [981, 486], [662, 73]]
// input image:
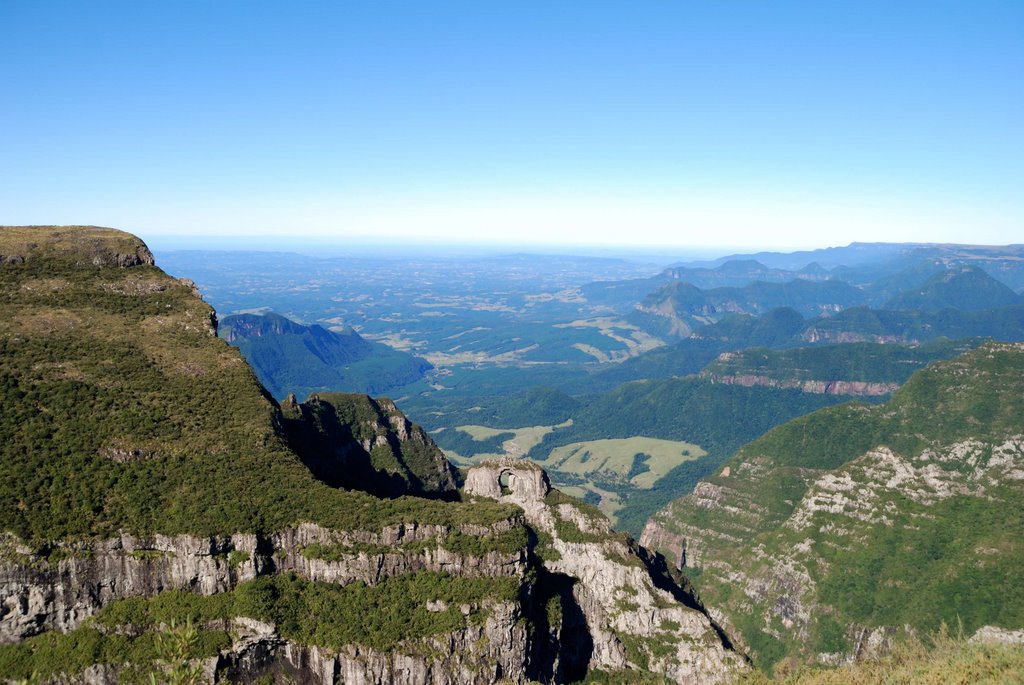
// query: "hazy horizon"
[[691, 125]]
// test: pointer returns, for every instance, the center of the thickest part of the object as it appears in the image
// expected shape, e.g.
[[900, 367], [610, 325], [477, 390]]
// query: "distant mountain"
[[966, 287], [777, 328], [831, 535], [681, 308], [786, 328], [289, 357], [850, 255], [621, 296], [851, 369], [741, 272], [163, 519], [861, 324], [1000, 261]]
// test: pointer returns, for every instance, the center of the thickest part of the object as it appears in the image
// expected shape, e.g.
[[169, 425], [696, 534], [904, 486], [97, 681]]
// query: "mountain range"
[[164, 517], [289, 357], [824, 468]]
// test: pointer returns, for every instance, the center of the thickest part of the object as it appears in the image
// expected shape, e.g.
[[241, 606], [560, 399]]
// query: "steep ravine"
[[150, 479], [835, 534]]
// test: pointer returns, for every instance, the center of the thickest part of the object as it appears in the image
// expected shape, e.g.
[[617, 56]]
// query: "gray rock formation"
[[38, 595], [631, 619], [614, 613]]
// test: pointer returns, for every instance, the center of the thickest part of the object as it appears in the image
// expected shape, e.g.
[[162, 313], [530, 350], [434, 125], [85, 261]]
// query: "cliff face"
[[615, 610], [836, 532], [357, 442], [850, 369], [584, 597], [293, 358], [149, 479], [814, 387]]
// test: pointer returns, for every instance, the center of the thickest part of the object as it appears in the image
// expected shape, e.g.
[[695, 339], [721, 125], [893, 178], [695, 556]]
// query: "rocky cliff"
[[616, 607], [847, 369], [844, 529], [357, 442], [154, 491]]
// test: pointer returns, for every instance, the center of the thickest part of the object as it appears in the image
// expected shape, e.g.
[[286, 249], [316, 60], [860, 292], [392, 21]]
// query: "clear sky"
[[690, 123]]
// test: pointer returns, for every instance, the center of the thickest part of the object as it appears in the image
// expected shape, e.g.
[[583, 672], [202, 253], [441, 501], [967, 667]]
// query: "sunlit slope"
[[857, 520], [292, 358], [122, 410]]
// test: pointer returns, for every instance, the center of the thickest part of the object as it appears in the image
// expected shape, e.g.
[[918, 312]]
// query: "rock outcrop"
[[631, 618], [358, 442], [797, 537], [149, 479], [815, 387]]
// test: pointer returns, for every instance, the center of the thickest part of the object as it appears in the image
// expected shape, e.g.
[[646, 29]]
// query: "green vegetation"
[[964, 288], [935, 407], [624, 677], [120, 411], [507, 542], [538, 406], [639, 461], [355, 441], [719, 418], [861, 323], [942, 659], [50, 654], [952, 566], [462, 442], [681, 308], [925, 545], [291, 358], [237, 557], [865, 362], [378, 617]]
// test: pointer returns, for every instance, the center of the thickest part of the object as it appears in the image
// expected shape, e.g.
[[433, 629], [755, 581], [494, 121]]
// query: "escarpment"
[[356, 441], [631, 620], [152, 487], [839, 532]]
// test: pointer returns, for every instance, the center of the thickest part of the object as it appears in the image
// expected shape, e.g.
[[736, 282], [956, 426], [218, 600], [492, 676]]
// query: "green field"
[[638, 460], [522, 441]]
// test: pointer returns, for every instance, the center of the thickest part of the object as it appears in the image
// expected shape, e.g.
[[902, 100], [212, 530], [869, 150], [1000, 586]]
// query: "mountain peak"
[[81, 245]]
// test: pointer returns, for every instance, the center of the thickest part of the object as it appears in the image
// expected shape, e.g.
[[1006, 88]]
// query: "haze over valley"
[[476, 343]]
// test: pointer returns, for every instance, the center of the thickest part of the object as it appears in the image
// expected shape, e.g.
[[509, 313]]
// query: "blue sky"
[[712, 123]]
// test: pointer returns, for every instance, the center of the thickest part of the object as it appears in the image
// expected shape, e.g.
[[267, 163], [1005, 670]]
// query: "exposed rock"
[[38, 595], [527, 484], [997, 635], [815, 387], [363, 443], [622, 608]]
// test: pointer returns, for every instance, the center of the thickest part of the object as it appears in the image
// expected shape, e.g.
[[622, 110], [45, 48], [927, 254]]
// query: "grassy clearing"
[[480, 432], [635, 340], [943, 660], [521, 442], [638, 460]]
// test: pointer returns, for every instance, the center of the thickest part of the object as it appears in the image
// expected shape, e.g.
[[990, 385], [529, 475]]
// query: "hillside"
[[852, 369], [693, 412], [860, 324], [154, 494], [825, 537], [966, 287], [681, 308], [360, 443], [291, 358]]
